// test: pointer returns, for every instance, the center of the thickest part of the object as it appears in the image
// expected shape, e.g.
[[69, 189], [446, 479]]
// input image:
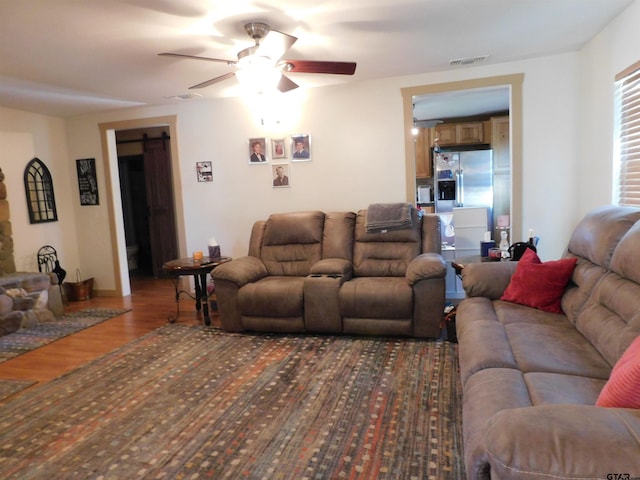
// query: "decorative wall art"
[[258, 150], [300, 147], [87, 181], [280, 173], [278, 148], [205, 171], [38, 187]]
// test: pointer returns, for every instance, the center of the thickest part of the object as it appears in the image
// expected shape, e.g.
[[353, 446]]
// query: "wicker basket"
[[80, 290]]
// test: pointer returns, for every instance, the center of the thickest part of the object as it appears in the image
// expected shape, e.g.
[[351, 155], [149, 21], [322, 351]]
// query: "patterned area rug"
[[10, 387], [194, 402], [29, 339]]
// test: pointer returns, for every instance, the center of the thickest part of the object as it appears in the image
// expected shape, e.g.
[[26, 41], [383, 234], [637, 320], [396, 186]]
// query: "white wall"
[[358, 155], [614, 49], [24, 136]]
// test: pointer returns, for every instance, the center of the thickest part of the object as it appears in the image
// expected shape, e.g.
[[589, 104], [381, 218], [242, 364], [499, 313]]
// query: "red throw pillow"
[[622, 390], [537, 284]]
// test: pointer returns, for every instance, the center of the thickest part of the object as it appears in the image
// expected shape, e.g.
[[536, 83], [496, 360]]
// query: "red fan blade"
[[193, 57], [285, 84], [310, 66], [214, 80]]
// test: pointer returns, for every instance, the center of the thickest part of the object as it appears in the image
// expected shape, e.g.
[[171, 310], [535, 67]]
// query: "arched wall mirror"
[[38, 186], [462, 116]]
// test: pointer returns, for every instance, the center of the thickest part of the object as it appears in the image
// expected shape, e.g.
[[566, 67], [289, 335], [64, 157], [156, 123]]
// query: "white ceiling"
[[67, 57]]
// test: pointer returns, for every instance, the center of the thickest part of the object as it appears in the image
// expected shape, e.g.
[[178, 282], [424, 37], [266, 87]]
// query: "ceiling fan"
[[263, 61]]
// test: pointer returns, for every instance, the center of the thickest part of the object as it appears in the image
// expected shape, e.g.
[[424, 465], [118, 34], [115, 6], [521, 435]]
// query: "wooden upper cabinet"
[[500, 143], [459, 133], [422, 142], [469, 132], [446, 134]]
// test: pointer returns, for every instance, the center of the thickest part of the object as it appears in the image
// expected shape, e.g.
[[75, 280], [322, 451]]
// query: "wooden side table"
[[199, 270]]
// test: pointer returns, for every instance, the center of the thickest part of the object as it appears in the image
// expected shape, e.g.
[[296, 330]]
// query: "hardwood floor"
[[152, 302]]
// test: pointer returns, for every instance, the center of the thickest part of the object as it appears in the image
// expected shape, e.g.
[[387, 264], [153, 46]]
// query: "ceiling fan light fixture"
[[259, 77]]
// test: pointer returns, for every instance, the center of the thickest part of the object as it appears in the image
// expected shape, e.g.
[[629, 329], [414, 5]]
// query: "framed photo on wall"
[[205, 172], [300, 147], [278, 148], [258, 151], [280, 175]]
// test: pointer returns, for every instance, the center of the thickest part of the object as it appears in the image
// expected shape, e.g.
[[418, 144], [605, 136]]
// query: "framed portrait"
[[258, 151], [278, 148], [280, 175], [300, 148], [204, 171]]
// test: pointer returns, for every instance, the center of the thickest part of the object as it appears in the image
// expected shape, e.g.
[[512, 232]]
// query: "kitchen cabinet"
[[469, 132], [424, 165], [500, 144], [459, 133], [445, 133]]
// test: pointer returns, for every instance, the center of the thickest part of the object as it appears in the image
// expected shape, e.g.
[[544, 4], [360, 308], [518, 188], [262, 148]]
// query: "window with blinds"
[[627, 89]]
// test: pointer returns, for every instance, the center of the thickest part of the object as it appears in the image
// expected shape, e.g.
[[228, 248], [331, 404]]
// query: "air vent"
[[186, 96], [468, 60]]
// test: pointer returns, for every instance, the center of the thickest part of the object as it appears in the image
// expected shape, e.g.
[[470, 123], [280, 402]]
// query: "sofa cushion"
[[292, 242], [597, 234], [623, 388], [537, 284], [559, 388], [272, 297], [376, 297], [385, 254]]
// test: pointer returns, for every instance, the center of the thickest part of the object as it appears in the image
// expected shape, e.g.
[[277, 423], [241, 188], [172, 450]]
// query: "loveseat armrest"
[[240, 271], [333, 266], [425, 266], [488, 279], [560, 441]]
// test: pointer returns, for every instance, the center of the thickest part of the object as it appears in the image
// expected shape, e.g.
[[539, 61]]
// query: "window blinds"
[[628, 108]]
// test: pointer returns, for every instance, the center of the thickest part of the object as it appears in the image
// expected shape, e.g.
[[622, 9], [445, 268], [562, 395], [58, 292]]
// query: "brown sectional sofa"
[[531, 379], [323, 272]]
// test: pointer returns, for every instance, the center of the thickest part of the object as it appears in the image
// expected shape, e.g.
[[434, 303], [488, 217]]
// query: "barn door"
[[162, 226]]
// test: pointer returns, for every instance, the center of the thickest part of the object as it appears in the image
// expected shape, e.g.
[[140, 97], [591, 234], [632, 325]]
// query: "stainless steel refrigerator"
[[463, 178]]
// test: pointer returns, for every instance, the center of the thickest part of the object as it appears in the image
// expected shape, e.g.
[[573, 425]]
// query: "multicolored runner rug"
[[195, 402], [29, 339]]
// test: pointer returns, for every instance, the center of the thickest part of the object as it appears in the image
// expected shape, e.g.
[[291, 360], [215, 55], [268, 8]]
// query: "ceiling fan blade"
[[285, 84], [194, 57], [275, 44], [214, 80], [311, 66]]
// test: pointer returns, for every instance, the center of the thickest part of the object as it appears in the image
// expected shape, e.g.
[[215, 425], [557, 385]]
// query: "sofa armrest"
[[240, 271], [488, 279], [332, 266], [562, 441], [424, 266]]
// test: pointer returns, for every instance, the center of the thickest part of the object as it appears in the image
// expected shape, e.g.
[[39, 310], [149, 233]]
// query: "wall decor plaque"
[[87, 181]]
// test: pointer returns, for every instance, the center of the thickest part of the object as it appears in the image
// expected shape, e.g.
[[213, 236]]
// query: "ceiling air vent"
[[468, 60], [186, 96]]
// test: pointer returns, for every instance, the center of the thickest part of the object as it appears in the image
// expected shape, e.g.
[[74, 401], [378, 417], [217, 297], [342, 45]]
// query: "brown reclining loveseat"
[[323, 272]]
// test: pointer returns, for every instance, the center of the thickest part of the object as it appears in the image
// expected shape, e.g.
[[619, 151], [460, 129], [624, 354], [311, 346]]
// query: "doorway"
[[171, 175], [144, 167], [514, 84]]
